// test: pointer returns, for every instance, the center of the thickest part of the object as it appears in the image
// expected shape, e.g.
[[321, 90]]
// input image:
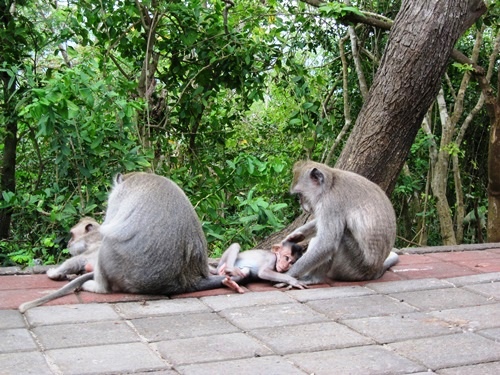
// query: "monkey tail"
[[391, 260], [68, 288]]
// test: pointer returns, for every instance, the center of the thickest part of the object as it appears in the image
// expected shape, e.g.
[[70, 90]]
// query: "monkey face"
[[308, 182], [284, 258]]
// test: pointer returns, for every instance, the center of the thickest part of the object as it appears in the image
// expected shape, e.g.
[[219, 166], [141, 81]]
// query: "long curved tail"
[[68, 288]]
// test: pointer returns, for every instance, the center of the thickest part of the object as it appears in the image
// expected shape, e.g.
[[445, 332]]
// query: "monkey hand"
[[224, 270], [291, 284], [295, 237], [54, 274]]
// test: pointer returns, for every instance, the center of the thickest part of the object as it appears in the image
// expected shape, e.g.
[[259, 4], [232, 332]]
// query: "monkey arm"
[[317, 255], [271, 275], [75, 265], [305, 231]]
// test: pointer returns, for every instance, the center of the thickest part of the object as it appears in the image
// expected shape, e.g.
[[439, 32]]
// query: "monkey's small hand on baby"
[[291, 284]]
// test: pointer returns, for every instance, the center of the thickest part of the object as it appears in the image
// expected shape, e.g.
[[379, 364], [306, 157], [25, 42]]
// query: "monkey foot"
[[232, 285]]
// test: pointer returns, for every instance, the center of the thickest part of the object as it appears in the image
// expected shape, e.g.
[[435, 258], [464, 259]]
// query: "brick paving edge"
[[17, 270]]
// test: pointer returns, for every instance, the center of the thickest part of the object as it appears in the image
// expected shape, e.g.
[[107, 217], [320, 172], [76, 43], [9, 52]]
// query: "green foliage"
[[235, 102]]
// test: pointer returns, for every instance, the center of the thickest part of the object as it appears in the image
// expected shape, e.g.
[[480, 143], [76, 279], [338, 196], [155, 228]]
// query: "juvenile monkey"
[[83, 246], [152, 243], [261, 264], [354, 228]]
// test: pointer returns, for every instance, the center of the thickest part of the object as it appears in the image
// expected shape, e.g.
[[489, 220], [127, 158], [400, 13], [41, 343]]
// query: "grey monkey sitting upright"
[[354, 229], [152, 243]]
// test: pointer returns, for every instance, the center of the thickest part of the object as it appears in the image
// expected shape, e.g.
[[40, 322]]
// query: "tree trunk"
[[8, 171], [407, 81]]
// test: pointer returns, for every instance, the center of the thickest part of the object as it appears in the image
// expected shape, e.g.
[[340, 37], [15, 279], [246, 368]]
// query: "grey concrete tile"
[[70, 314], [211, 348], [474, 279], [408, 285], [84, 334], [385, 329], [173, 327], [222, 302], [435, 299], [24, 363], [492, 333], [472, 318], [15, 340], [489, 290], [309, 337], [328, 293], [119, 358], [249, 366], [132, 310], [371, 360], [492, 368], [253, 317], [449, 351], [11, 319], [360, 307]]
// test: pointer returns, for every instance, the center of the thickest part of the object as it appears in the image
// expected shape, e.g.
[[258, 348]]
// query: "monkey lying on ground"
[[354, 228], [152, 243], [83, 246], [260, 264]]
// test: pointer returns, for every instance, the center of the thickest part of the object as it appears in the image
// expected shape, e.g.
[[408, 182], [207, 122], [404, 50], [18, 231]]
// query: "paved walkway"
[[435, 312]]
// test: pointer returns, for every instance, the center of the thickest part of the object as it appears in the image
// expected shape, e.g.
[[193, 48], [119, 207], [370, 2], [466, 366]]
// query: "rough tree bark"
[[407, 81], [420, 44]]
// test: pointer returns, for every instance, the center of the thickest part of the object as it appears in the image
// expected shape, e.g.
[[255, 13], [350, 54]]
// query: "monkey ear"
[[118, 179], [317, 176], [89, 227], [276, 248]]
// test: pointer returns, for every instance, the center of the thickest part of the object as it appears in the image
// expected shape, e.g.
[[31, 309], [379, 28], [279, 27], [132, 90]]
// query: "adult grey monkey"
[[354, 228], [152, 243]]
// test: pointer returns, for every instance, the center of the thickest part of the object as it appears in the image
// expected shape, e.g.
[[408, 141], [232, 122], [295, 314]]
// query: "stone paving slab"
[[84, 334], [211, 348], [310, 337], [158, 308], [472, 318], [248, 318], [492, 368], [359, 307], [70, 314], [436, 299], [117, 358], [17, 363], [416, 325], [249, 366], [360, 360], [449, 351], [402, 327], [223, 302], [170, 327]]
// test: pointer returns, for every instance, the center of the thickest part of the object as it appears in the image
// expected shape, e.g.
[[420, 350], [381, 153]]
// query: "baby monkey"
[[260, 264]]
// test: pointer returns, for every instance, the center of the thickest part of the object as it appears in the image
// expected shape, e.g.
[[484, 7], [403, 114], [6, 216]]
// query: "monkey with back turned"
[[354, 228], [152, 243]]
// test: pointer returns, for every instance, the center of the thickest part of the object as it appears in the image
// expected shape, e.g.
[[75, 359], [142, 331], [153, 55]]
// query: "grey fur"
[[84, 245], [152, 241], [354, 229]]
